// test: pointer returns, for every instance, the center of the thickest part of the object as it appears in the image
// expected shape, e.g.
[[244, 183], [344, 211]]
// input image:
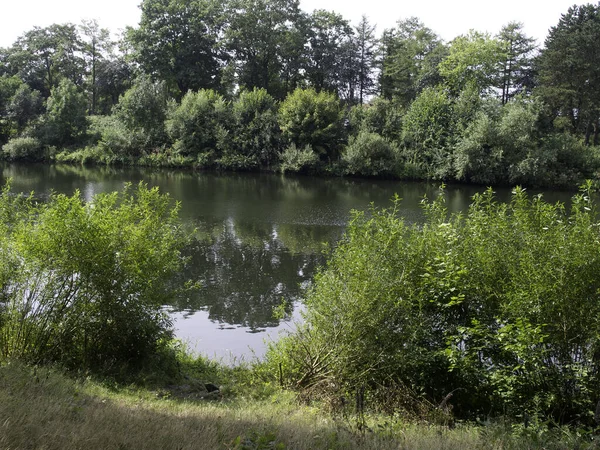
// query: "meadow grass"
[[41, 408]]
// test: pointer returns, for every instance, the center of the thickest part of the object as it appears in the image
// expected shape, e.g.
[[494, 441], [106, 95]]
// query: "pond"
[[259, 238]]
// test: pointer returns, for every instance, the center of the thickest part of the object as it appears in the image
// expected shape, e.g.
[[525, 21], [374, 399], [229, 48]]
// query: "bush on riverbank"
[[83, 283], [495, 312]]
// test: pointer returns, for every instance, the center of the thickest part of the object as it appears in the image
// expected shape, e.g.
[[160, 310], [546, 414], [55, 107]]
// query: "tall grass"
[[42, 409]]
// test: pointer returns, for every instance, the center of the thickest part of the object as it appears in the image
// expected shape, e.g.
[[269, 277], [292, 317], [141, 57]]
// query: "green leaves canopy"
[[177, 42]]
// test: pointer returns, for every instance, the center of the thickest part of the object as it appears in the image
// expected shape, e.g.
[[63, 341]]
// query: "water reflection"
[[257, 238], [245, 271]]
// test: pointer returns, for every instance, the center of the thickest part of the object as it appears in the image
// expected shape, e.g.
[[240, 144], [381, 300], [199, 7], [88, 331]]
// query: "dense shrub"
[[503, 145], [426, 130], [299, 160], [494, 312], [23, 148], [65, 122], [310, 118], [559, 160], [113, 137], [478, 156], [200, 124], [83, 284], [369, 154], [141, 113], [257, 134], [381, 116], [24, 106]]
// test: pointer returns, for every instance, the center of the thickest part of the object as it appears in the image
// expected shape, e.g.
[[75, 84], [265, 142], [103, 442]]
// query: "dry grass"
[[42, 409]]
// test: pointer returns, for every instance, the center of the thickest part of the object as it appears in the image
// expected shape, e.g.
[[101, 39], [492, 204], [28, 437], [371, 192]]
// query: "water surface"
[[258, 238]]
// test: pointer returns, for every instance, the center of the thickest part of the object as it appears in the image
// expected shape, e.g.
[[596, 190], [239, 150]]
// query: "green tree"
[[96, 45], [473, 59], [65, 121], [411, 52], [263, 38], [8, 87], [199, 126], [329, 33], [42, 57], [24, 106], [427, 130], [143, 111], [177, 42], [366, 47], [115, 75], [308, 118], [516, 69], [257, 133], [569, 71]]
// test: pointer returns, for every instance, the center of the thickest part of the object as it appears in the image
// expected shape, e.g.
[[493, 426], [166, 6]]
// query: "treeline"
[[261, 85]]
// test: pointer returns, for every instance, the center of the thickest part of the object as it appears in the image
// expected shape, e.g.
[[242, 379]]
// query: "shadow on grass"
[[42, 409]]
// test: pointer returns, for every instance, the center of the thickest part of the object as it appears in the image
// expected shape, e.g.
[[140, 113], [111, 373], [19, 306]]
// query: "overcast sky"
[[447, 18]]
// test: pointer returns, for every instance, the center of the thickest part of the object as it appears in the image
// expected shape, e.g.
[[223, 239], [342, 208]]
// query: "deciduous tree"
[[177, 42]]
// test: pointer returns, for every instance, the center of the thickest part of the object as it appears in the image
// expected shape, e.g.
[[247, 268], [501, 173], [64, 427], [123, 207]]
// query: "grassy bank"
[[43, 409]]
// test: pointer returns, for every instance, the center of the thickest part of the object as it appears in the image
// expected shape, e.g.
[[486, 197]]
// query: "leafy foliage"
[[65, 121], [369, 154], [267, 39], [83, 283], [495, 311], [143, 110], [294, 159], [426, 132], [411, 53], [473, 59], [308, 118], [24, 148], [569, 70], [199, 125], [257, 131], [177, 42], [198, 84]]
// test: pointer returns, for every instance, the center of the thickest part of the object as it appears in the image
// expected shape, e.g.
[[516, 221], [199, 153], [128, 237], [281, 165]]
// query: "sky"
[[447, 18]]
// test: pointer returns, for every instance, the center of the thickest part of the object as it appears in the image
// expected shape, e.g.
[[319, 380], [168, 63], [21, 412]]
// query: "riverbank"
[[44, 408]]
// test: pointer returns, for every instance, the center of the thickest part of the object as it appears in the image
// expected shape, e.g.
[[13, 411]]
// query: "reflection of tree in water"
[[246, 271], [307, 240]]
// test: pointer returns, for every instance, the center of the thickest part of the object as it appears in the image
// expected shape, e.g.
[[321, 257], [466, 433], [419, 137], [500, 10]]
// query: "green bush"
[[559, 160], [298, 160], [65, 122], [23, 148], [237, 162], [141, 113], [427, 131], [478, 156], [494, 312], [310, 118], [200, 124], [83, 284], [381, 116], [257, 134], [113, 137], [369, 154]]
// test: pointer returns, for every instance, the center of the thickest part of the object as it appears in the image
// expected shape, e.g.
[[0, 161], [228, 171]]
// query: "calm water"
[[258, 241]]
